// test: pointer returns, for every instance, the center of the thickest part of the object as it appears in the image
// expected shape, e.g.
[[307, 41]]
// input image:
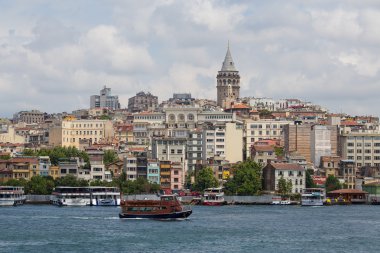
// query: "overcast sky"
[[55, 54]]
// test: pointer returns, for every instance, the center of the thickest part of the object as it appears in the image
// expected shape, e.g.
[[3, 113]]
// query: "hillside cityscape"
[[169, 145]]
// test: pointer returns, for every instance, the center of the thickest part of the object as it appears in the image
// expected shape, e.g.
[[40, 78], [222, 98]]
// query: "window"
[[367, 158], [172, 151], [290, 173], [358, 144], [179, 151], [350, 144], [357, 151]]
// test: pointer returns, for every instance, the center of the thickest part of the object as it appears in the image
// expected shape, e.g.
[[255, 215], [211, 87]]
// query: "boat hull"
[[209, 203], [175, 215]]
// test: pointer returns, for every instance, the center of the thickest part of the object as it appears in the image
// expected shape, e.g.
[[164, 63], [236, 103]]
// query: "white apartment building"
[[73, 131], [130, 167], [224, 140], [320, 143]]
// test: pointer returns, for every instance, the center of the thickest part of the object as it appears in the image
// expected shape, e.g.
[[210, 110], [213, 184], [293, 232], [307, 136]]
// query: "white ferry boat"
[[213, 197], [86, 196], [313, 197], [71, 196], [12, 195], [104, 196]]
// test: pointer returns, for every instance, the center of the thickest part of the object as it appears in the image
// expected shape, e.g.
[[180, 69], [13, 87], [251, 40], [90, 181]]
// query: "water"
[[44, 228]]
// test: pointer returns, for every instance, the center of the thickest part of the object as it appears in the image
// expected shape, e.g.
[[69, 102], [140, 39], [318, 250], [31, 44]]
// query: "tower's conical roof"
[[228, 64]]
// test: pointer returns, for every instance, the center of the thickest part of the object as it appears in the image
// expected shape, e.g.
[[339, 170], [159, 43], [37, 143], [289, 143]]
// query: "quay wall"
[[37, 199]]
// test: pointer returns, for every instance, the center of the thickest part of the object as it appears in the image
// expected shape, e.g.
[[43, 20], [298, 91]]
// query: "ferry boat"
[[104, 196], [86, 196], [12, 195], [167, 207], [71, 196], [213, 197], [313, 197]]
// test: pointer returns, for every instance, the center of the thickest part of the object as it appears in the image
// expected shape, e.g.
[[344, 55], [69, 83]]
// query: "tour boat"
[[313, 197], [104, 196], [213, 197], [86, 196], [12, 195], [71, 196], [167, 207]]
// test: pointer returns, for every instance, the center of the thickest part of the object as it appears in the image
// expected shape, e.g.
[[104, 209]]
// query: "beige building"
[[74, 131], [362, 147], [256, 130], [11, 136]]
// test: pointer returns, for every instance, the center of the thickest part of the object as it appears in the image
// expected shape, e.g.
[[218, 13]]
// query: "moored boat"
[[104, 196], [12, 195], [71, 196], [313, 197], [213, 197], [167, 207]]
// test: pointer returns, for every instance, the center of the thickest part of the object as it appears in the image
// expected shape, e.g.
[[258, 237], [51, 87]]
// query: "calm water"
[[47, 228]]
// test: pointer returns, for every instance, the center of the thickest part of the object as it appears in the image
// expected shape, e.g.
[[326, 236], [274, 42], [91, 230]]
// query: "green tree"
[[309, 180], [284, 186], [279, 151], [332, 183], [71, 180], [110, 156], [246, 179], [40, 185], [29, 152], [5, 157], [205, 179], [17, 182]]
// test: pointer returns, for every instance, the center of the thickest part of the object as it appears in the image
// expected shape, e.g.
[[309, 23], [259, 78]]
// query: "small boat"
[[313, 197], [12, 195], [278, 200], [213, 197], [168, 207]]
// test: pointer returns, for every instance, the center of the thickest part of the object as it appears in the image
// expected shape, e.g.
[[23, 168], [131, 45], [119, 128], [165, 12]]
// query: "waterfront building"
[[165, 175], [294, 172], [329, 165], [95, 156], [142, 102], [228, 82], [105, 100], [130, 167], [116, 168], [74, 131], [195, 145], [153, 174], [44, 165], [70, 166], [176, 176], [347, 172], [29, 117], [54, 172]]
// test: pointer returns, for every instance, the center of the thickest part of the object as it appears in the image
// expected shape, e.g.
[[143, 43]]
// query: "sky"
[[55, 54]]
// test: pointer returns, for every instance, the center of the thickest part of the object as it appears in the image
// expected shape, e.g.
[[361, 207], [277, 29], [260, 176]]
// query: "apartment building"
[[261, 130], [272, 172], [74, 131], [361, 146]]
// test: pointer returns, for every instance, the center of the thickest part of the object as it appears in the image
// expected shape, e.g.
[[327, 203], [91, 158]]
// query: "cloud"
[[53, 57]]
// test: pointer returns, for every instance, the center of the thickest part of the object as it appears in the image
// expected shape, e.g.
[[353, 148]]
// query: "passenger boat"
[[86, 196], [213, 197], [104, 196], [12, 195], [313, 197], [167, 207], [71, 196]]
